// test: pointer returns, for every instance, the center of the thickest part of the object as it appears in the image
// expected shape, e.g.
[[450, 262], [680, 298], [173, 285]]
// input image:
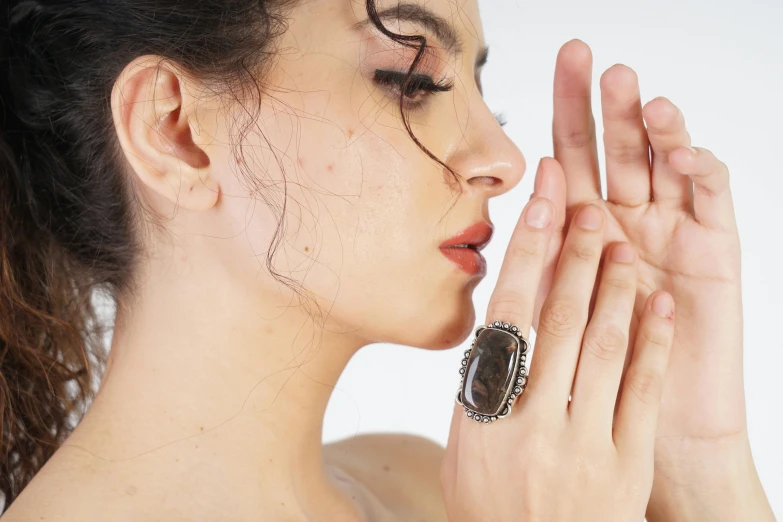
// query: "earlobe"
[[155, 128]]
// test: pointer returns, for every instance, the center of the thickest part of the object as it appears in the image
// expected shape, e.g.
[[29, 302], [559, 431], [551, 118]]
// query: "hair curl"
[[69, 221]]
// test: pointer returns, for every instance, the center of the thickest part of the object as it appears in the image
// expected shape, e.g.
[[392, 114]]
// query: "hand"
[[551, 459], [677, 212]]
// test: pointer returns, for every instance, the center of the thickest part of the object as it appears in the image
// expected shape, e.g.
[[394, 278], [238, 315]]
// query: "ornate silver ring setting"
[[493, 372]]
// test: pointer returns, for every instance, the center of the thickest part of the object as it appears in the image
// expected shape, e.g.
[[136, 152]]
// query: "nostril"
[[489, 181]]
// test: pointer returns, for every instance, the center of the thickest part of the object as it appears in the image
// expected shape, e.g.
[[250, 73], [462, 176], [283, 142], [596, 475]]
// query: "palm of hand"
[[700, 268], [686, 238]]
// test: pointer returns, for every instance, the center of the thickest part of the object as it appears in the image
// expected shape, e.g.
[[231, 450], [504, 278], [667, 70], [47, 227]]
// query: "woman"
[[264, 188]]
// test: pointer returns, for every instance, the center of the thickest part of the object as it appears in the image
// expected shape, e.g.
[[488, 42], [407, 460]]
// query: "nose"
[[485, 157]]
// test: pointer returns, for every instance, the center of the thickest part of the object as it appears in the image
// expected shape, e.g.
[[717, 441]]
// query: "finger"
[[626, 146], [640, 397], [605, 343], [573, 125], [712, 201], [513, 298], [564, 314], [551, 184], [666, 132]]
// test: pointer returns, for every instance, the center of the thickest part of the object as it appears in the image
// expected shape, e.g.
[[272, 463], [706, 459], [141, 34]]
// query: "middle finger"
[[626, 146], [565, 311]]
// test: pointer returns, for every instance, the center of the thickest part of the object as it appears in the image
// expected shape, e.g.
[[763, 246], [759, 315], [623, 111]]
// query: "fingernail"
[[623, 253], [590, 217], [663, 305], [539, 213]]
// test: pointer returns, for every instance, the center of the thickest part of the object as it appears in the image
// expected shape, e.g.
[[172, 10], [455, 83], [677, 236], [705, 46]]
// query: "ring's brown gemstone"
[[490, 371]]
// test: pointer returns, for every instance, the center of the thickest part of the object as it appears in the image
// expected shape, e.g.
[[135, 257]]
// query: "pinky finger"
[[712, 203], [640, 397]]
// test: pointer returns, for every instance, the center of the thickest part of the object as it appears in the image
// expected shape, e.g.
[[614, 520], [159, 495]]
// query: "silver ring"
[[493, 372]]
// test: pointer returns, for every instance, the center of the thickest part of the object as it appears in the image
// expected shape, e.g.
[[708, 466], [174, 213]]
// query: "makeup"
[[464, 248]]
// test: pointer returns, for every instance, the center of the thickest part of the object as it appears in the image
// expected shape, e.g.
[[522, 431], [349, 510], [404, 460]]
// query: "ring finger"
[[666, 132]]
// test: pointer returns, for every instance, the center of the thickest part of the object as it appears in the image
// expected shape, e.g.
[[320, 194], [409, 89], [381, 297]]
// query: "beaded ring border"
[[516, 385]]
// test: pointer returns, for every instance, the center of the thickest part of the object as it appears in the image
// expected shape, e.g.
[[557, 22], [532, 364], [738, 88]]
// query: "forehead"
[[456, 24]]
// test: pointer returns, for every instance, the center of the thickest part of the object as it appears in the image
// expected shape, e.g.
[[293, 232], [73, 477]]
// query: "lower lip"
[[469, 260]]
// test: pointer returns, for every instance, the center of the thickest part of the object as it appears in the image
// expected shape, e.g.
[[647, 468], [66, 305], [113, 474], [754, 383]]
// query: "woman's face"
[[366, 210]]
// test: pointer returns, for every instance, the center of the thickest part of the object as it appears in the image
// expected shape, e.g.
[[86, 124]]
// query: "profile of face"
[[364, 208]]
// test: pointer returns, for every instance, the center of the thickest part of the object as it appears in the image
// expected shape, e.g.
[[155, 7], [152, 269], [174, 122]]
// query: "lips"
[[463, 248]]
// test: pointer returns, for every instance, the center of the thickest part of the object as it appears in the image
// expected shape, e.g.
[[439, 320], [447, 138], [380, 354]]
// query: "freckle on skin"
[[130, 491], [350, 132], [307, 249], [330, 167], [385, 467]]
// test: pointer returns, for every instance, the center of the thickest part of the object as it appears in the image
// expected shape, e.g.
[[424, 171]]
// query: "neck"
[[216, 389]]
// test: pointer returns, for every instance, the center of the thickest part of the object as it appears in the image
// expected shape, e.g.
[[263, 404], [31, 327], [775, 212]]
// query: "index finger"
[[513, 299]]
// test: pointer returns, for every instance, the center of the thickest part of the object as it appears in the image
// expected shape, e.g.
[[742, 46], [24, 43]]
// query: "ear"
[[154, 116]]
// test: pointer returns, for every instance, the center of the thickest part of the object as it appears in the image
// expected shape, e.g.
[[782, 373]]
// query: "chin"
[[452, 329]]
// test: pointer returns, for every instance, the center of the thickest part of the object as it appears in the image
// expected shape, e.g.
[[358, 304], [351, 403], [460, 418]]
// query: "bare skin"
[[401, 472], [213, 402], [219, 375]]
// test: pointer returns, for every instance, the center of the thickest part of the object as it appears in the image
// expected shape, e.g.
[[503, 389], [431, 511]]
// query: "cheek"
[[347, 190], [362, 202]]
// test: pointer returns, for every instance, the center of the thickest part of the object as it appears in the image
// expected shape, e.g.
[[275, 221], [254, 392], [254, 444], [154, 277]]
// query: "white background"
[[721, 62]]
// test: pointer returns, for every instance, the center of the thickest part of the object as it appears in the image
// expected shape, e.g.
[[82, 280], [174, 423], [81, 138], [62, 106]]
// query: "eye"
[[418, 88]]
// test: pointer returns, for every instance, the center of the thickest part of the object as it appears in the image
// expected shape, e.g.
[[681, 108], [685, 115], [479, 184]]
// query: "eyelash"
[[418, 83]]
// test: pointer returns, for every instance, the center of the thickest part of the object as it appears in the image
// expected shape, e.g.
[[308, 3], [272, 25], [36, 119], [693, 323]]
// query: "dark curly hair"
[[69, 223]]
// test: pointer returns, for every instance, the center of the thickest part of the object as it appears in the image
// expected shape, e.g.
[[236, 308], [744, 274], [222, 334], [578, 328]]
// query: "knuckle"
[[575, 139], [619, 283], [625, 152], [538, 452], [507, 307], [559, 318], [646, 385], [715, 176], [583, 252], [605, 342], [654, 338], [525, 250]]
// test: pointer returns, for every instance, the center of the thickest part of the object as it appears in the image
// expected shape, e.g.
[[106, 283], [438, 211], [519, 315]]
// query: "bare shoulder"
[[402, 469]]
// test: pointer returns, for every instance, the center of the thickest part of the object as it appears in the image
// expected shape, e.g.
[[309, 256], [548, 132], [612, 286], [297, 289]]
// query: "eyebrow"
[[434, 23]]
